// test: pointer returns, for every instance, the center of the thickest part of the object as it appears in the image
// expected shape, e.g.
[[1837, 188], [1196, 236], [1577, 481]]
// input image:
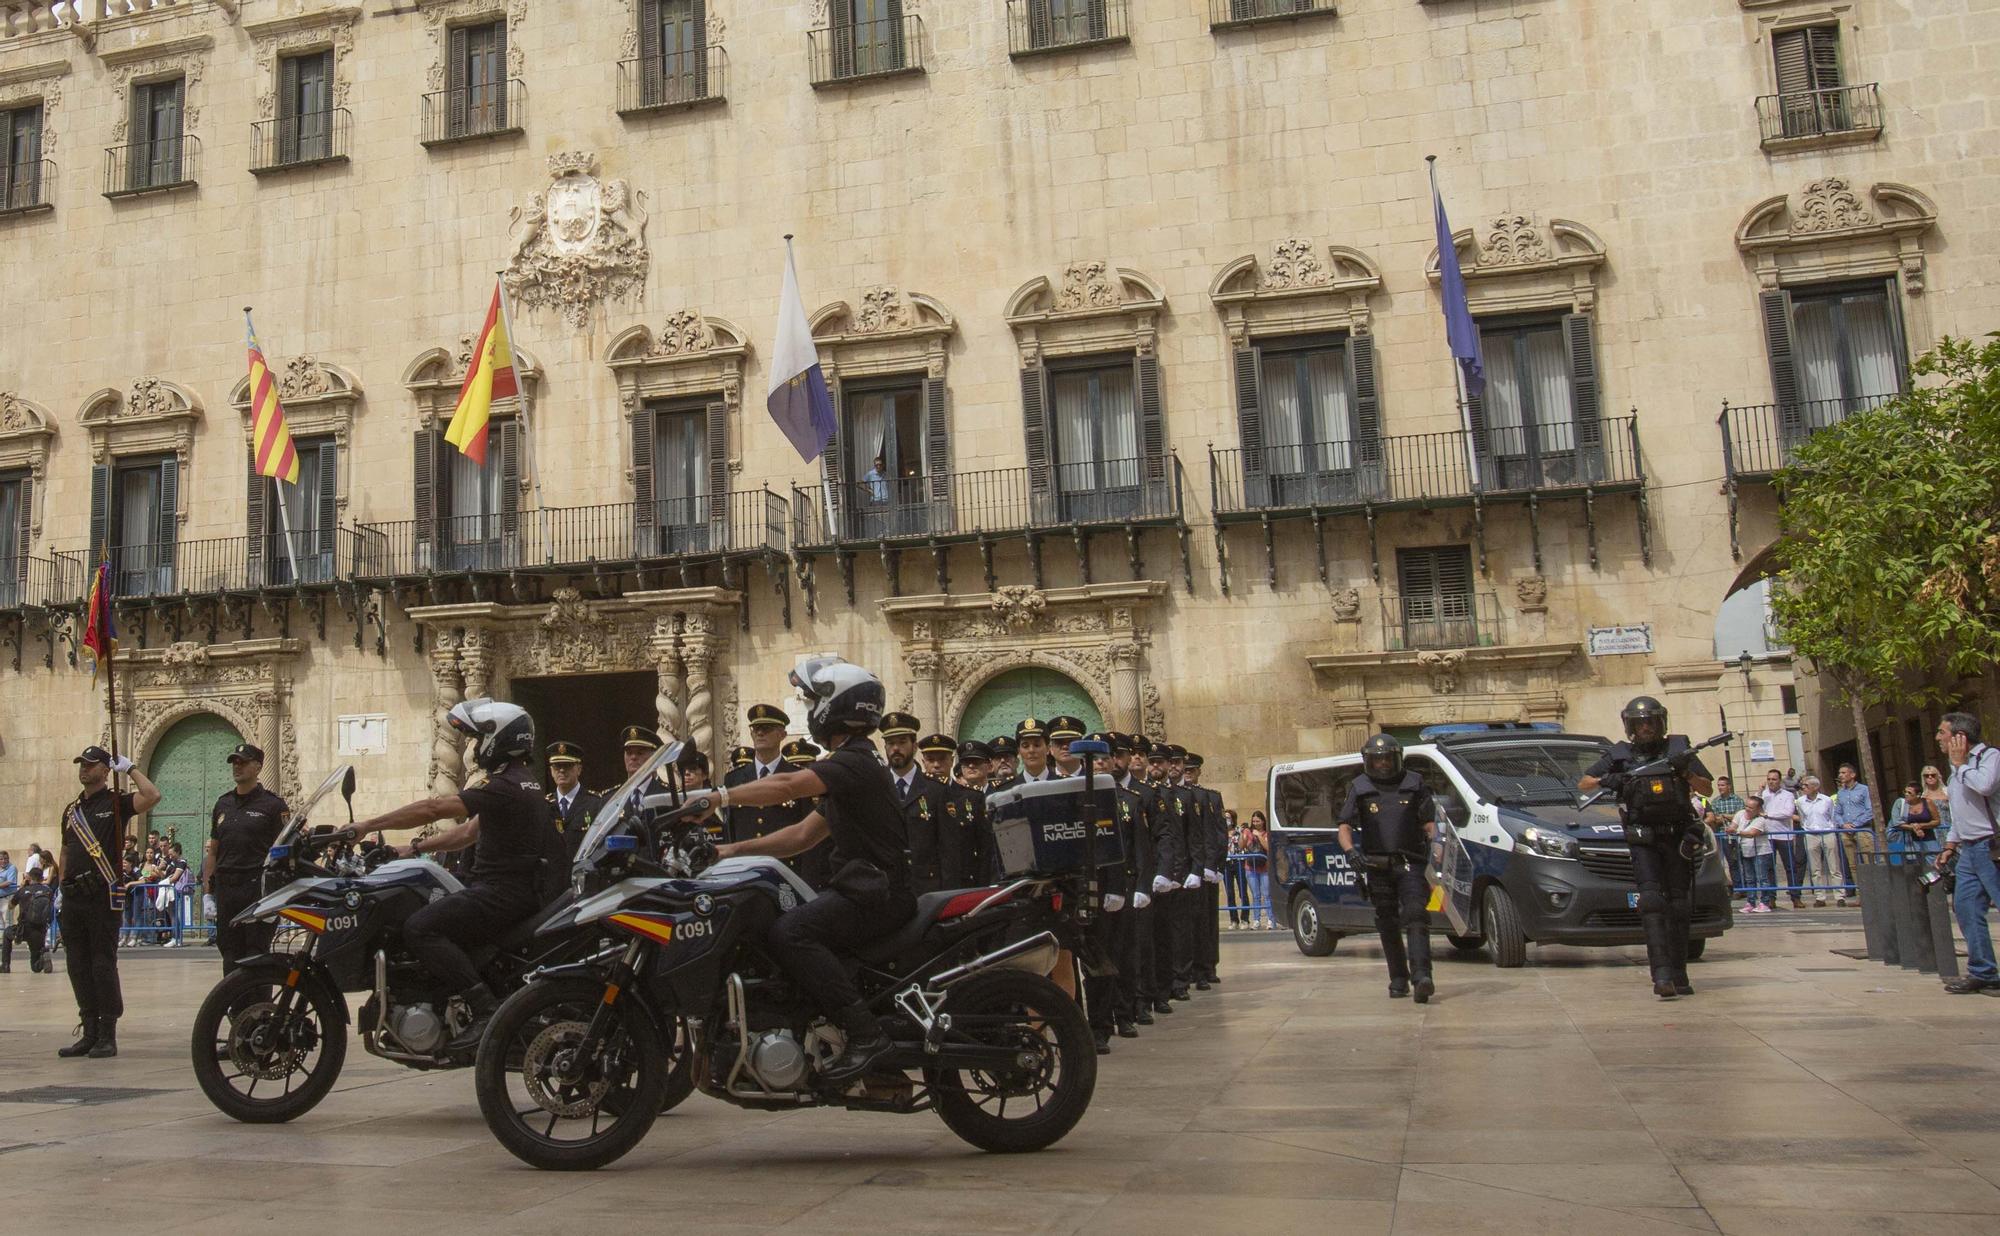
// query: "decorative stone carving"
[[189, 66], [156, 417], [684, 332], [1513, 265], [1833, 231], [1346, 605], [1088, 285], [447, 767], [26, 433], [310, 32], [1154, 715], [578, 243], [38, 84], [572, 638], [246, 683], [439, 18], [14, 413], [1443, 668], [1019, 605], [1513, 240], [1830, 205], [1295, 265], [882, 308], [184, 662], [1533, 594], [303, 379], [923, 663]]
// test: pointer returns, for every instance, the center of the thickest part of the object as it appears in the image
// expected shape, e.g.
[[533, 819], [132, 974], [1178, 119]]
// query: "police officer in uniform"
[[574, 807], [767, 758], [801, 753], [738, 757], [1663, 831], [1117, 928], [1214, 836], [1031, 738], [246, 824], [508, 822], [1188, 901], [638, 743], [97, 820], [969, 857], [1144, 911], [1004, 772], [920, 796], [936, 751], [1063, 731], [1397, 819]]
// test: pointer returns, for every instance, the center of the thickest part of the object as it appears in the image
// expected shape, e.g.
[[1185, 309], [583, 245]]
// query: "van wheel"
[[1503, 930], [1465, 944], [1696, 948], [1311, 935]]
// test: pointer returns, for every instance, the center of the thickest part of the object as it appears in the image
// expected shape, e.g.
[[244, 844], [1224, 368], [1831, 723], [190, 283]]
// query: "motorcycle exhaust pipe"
[[1036, 955]]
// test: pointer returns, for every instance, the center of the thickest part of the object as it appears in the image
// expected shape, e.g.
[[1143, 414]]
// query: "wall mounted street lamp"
[[1743, 664]]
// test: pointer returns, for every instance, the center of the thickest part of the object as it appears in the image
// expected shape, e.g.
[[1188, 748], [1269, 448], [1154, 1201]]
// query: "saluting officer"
[[937, 751], [1663, 831], [93, 832], [574, 807], [1004, 772], [971, 855], [1398, 821], [922, 799], [1212, 832], [246, 824]]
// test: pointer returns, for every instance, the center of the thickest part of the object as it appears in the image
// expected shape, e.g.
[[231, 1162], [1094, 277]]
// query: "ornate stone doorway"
[[589, 709], [1030, 692], [190, 765]]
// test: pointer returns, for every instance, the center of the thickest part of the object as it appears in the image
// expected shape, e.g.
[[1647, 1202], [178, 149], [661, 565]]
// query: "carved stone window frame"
[[31, 84], [320, 401], [693, 355], [26, 433], [329, 29], [436, 375], [1830, 234], [893, 332], [1097, 307], [184, 58], [1374, 690], [1774, 17], [1299, 291], [1514, 265], [157, 417], [440, 16]]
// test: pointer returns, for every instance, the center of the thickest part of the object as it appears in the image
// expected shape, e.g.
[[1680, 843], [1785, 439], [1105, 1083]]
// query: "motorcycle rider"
[[869, 896], [1398, 821], [507, 821], [1663, 831]]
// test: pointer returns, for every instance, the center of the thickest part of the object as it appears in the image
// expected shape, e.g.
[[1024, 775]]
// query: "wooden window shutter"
[[500, 120], [1152, 415], [325, 512], [1823, 57], [254, 524], [1417, 573], [138, 131], [697, 71], [424, 490], [1453, 569], [170, 505], [288, 109], [1247, 364], [652, 69], [1794, 61], [458, 80], [7, 166], [24, 525], [1035, 428], [1776, 307], [937, 447], [100, 513], [1097, 19], [833, 460], [1580, 337], [645, 513], [1041, 32], [718, 463], [1367, 398], [508, 433]]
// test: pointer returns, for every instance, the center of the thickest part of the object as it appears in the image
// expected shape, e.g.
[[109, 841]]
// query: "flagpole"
[[284, 511], [1457, 369], [825, 481], [521, 384]]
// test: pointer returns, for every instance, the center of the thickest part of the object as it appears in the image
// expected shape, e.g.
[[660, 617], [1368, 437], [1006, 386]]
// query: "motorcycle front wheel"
[[243, 1042], [1032, 1103], [555, 1099]]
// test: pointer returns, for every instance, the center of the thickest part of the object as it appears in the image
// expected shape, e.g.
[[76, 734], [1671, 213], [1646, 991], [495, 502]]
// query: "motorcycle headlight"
[[1549, 842]]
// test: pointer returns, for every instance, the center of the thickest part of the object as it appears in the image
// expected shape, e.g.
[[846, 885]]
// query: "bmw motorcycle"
[[270, 1039], [574, 1065]]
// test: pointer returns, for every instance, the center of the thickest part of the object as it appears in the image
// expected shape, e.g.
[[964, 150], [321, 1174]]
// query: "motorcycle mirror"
[[347, 785]]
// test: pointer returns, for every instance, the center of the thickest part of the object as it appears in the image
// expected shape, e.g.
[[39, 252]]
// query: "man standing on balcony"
[[877, 482]]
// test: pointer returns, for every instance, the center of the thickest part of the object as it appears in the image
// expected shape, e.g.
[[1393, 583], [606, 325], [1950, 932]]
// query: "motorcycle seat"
[[520, 934], [932, 909]]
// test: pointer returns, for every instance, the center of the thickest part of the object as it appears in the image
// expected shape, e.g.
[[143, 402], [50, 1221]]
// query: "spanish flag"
[[270, 437], [100, 632], [489, 377]]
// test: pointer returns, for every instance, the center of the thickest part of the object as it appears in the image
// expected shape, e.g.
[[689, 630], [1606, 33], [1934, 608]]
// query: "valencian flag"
[[490, 376], [100, 632], [270, 436], [799, 400]]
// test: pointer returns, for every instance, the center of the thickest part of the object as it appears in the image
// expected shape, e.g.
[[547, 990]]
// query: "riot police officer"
[[246, 822], [1662, 830], [573, 806], [1397, 819]]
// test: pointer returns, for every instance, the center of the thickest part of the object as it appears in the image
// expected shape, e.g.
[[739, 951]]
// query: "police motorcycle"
[[269, 1041], [573, 1065]]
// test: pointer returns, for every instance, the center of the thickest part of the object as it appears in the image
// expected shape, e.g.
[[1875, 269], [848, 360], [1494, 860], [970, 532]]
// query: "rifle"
[[1659, 765]]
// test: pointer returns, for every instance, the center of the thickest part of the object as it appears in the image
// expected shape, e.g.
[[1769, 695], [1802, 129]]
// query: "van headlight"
[[1549, 842]]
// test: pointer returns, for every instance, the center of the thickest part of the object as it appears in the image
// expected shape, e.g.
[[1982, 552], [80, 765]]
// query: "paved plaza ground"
[[1798, 1091]]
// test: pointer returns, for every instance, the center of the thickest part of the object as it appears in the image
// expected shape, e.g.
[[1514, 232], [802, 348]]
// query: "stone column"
[[698, 652], [447, 771], [270, 731], [923, 667], [672, 673], [475, 660], [1125, 687]]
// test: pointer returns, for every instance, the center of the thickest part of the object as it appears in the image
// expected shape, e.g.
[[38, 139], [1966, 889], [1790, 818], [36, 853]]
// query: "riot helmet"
[[846, 699], [1382, 759], [1645, 711], [503, 732]]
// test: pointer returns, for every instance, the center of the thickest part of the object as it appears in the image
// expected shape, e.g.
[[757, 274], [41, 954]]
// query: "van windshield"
[[1528, 772]]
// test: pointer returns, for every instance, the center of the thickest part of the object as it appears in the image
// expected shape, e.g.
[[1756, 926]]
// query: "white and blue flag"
[[799, 400]]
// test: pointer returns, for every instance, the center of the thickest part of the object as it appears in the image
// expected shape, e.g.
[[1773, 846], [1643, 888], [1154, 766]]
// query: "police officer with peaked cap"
[[1212, 832], [1396, 817], [1064, 730], [965, 862], [573, 807], [920, 796], [1031, 739], [738, 757], [1112, 997], [1185, 822], [937, 751], [1170, 917], [1004, 772], [245, 823], [96, 820], [638, 742]]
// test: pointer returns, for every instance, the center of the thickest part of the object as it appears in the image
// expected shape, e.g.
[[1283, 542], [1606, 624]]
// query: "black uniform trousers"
[[235, 893], [1132, 940], [35, 936], [1666, 907], [1189, 905], [1401, 898], [1166, 914], [90, 940], [441, 935], [1211, 928], [859, 908], [1100, 991]]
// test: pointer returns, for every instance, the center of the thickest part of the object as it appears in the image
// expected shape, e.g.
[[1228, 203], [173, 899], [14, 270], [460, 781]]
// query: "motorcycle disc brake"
[[270, 1059], [552, 1052]]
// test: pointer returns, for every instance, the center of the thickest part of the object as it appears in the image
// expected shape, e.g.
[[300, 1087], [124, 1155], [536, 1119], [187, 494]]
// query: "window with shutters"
[[1529, 403], [1834, 350], [1317, 439], [1436, 606], [865, 38], [305, 108], [882, 445], [681, 478], [21, 171], [140, 533], [154, 158], [677, 63], [476, 99], [1035, 26], [13, 537], [303, 530], [475, 502], [1094, 439]]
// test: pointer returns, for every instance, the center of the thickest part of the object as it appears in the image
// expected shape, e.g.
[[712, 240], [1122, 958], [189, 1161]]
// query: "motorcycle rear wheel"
[[604, 1109], [236, 1040], [1048, 1098]]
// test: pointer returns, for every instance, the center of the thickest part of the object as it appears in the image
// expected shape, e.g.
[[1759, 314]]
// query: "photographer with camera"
[[1398, 821], [1975, 794]]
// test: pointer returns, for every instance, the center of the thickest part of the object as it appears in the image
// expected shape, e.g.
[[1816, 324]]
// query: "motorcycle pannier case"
[[1039, 827]]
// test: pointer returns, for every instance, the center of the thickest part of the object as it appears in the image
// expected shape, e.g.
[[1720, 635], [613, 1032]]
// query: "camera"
[[1944, 871]]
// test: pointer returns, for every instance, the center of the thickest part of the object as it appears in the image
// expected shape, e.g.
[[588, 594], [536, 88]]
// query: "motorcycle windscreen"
[[620, 812]]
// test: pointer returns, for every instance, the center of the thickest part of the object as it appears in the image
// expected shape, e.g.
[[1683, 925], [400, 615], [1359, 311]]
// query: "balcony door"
[[680, 480], [674, 47], [1096, 442], [474, 537], [1850, 352], [141, 541], [478, 102], [21, 157], [13, 538], [1436, 606], [1310, 448], [882, 441], [309, 507], [154, 158], [867, 37], [305, 108]]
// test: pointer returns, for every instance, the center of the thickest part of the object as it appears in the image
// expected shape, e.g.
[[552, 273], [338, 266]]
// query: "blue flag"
[[1459, 329], [798, 400]]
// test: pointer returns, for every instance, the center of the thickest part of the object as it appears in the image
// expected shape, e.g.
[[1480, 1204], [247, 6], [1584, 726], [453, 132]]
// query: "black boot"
[[1144, 1016], [107, 1039], [480, 1001], [1126, 1030], [86, 1039], [1399, 989], [1103, 1038], [866, 1044], [1424, 988], [1162, 1006]]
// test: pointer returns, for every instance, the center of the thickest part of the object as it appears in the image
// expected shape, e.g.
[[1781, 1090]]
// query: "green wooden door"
[[1003, 702], [191, 767]]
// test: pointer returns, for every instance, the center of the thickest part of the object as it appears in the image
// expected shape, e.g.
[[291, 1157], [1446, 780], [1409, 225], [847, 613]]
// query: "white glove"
[[1113, 903], [121, 763], [1193, 881], [1140, 901], [1211, 875], [1162, 884]]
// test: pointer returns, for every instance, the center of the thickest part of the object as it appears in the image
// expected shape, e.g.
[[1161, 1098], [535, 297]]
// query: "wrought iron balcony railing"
[[26, 187], [152, 167], [220, 564], [303, 140], [27, 582], [463, 113], [673, 80], [1228, 14], [741, 524], [1038, 26], [1854, 111], [1758, 439], [1440, 620], [854, 51], [1426, 469], [1001, 501]]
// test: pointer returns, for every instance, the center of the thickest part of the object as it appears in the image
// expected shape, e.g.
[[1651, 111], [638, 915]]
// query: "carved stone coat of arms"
[[578, 243]]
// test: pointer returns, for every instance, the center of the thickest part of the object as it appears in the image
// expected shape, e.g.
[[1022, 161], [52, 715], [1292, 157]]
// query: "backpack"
[[33, 906]]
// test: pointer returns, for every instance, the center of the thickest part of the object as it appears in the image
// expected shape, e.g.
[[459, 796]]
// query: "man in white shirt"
[[1815, 816], [1780, 815]]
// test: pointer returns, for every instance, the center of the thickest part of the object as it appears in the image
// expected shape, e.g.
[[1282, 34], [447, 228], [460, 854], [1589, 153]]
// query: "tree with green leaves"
[[1889, 572]]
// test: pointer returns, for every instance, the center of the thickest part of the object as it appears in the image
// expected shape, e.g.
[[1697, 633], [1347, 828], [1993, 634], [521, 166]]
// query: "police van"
[[1517, 862]]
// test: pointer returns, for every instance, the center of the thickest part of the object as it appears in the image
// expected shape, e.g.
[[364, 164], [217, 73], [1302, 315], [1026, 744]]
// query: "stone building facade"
[[1138, 303]]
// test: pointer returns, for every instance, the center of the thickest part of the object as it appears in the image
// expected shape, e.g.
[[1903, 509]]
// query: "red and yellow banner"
[[270, 437], [489, 377]]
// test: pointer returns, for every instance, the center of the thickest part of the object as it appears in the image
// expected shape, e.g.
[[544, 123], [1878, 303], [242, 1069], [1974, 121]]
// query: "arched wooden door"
[[1031, 692]]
